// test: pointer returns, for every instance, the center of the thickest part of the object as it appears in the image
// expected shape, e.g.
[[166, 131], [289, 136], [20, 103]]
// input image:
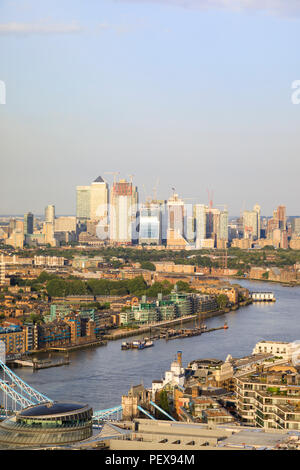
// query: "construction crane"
[[225, 206], [115, 173]]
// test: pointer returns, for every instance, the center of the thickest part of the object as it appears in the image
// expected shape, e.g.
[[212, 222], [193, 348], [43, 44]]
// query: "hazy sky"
[[190, 94]]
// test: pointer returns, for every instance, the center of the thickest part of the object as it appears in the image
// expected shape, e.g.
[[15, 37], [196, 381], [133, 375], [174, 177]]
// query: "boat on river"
[[146, 343]]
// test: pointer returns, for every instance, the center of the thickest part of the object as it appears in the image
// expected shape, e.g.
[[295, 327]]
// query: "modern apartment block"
[[269, 398]]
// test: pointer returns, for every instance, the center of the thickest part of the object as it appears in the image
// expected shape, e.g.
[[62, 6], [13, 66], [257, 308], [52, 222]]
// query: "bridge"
[[17, 395]]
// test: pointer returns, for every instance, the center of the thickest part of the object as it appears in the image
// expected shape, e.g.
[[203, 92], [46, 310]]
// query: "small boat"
[[148, 344], [125, 346]]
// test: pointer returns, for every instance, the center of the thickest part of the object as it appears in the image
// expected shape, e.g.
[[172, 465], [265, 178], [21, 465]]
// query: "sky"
[[194, 95]]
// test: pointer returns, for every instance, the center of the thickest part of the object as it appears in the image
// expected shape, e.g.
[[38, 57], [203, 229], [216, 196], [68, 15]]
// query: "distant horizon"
[[42, 216]]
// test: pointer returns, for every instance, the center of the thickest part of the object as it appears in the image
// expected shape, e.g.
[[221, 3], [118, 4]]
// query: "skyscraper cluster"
[[113, 214], [116, 215]]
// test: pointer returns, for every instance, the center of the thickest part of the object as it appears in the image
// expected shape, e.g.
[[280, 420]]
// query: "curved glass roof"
[[51, 409]]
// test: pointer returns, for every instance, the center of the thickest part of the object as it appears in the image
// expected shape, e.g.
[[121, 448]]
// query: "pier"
[[117, 334], [169, 334], [36, 364], [263, 297]]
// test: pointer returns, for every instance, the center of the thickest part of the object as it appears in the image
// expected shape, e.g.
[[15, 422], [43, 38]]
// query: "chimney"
[[179, 358]]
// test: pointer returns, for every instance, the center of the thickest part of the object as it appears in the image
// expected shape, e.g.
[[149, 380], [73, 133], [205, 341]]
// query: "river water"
[[102, 375]]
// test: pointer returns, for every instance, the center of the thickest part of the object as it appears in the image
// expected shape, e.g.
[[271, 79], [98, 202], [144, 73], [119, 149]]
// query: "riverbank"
[[117, 334], [283, 283]]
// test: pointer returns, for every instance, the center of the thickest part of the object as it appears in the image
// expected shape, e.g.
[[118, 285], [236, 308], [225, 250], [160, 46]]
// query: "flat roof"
[[255, 437]]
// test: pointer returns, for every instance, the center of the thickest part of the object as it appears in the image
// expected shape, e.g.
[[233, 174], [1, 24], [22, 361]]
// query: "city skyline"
[[145, 196], [189, 95]]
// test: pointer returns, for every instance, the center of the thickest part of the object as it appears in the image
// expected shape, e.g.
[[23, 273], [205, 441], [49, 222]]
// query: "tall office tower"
[[223, 226], [28, 223], [50, 213], [123, 212], [250, 224], [257, 209], [99, 200], [296, 226], [176, 216], [83, 203], [272, 224], [164, 219], [281, 216], [150, 224], [190, 226], [200, 222]]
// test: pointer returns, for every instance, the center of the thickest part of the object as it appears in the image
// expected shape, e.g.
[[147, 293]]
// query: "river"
[[102, 375]]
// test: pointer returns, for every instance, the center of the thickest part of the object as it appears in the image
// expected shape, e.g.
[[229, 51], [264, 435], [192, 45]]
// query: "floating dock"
[[263, 297]]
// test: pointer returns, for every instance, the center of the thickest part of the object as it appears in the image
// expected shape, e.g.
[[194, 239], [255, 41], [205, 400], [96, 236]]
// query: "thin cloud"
[[279, 7], [39, 28]]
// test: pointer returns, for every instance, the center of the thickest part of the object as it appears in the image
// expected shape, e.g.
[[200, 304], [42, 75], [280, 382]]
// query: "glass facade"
[[48, 424], [150, 224]]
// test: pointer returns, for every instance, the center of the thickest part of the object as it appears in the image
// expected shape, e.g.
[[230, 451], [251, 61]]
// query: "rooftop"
[[51, 408]]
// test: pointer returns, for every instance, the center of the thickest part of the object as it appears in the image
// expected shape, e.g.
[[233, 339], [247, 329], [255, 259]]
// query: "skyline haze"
[[197, 97]]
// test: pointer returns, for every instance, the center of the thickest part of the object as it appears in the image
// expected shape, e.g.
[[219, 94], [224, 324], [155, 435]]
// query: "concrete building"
[[281, 217], [163, 435], [296, 226], [173, 377], [277, 348], [65, 224], [50, 213], [49, 261], [16, 239], [176, 211], [251, 224], [48, 232], [123, 213]]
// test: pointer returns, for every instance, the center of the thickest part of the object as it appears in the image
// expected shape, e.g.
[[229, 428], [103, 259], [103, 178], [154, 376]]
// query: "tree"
[[222, 301], [56, 288], [183, 287], [163, 402], [148, 265]]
